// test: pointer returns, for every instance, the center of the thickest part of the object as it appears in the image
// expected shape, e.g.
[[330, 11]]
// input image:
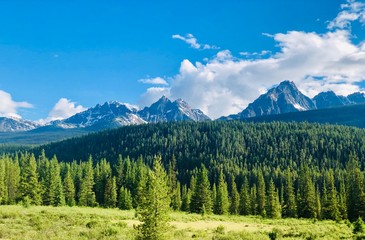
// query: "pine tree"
[[235, 199], [3, 186], [29, 187], [201, 201], [290, 207], [306, 194], [173, 185], [154, 207], [102, 173], [222, 202], [55, 195], [253, 199], [342, 200], [245, 199], [355, 192], [125, 199], [43, 169], [273, 204], [87, 194], [140, 182], [12, 179], [330, 205], [185, 199], [261, 194], [110, 193], [69, 188]]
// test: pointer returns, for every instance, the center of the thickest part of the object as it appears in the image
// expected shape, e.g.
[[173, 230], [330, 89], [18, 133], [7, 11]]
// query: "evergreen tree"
[[201, 201], [342, 200], [125, 199], [29, 187], [12, 179], [43, 169], [245, 199], [154, 207], [273, 204], [306, 194], [173, 185], [3, 186], [253, 199], [261, 194], [222, 202], [289, 208], [140, 182], [69, 188], [330, 205], [235, 199], [87, 194], [110, 193], [355, 192], [185, 199], [55, 195]]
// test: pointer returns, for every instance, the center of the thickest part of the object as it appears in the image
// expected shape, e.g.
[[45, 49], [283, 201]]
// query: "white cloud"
[[63, 109], [9, 107], [315, 62], [351, 11], [193, 42], [156, 81], [152, 94]]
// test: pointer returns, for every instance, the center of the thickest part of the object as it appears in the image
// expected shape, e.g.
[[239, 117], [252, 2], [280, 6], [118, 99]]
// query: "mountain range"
[[286, 98], [280, 102], [112, 115]]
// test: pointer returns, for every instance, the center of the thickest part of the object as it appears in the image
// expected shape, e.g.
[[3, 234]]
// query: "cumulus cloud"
[[316, 62], [156, 81], [152, 94], [63, 109], [9, 107], [193, 42]]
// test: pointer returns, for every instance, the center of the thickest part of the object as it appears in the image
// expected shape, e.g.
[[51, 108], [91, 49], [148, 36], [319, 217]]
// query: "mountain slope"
[[108, 115], [350, 115], [330, 99], [164, 110], [16, 125], [281, 99]]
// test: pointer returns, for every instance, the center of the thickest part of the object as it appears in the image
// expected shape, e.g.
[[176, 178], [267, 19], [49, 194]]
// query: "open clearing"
[[17, 222]]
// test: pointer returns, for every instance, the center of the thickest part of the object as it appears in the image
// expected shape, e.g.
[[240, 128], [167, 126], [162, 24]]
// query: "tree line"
[[304, 191]]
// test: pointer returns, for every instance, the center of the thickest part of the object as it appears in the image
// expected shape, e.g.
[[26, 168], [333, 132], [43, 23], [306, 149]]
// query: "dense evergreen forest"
[[270, 169]]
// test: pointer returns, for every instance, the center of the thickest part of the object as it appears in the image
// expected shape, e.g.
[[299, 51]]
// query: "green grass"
[[17, 222]]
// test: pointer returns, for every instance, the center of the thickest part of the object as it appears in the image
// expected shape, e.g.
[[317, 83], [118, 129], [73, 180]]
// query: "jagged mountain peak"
[[14, 124], [282, 98]]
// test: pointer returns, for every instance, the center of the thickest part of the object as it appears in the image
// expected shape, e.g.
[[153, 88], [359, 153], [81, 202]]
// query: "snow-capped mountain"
[[330, 99], [109, 115], [283, 98], [115, 114], [8, 124], [164, 110]]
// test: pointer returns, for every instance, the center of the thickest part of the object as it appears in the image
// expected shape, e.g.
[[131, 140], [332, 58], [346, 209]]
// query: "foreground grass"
[[17, 222]]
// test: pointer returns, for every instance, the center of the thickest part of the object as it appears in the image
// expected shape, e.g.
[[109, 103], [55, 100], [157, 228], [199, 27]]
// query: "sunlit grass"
[[17, 222]]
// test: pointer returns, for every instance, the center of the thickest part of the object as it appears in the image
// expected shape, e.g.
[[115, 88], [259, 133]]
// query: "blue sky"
[[58, 58]]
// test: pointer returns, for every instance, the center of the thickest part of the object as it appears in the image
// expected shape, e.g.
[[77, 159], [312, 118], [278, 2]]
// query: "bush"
[[275, 234], [358, 226]]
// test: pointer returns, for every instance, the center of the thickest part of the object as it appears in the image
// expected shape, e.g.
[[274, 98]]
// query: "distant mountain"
[[356, 97], [109, 115], [283, 98], [166, 111], [330, 99], [349, 115], [8, 124]]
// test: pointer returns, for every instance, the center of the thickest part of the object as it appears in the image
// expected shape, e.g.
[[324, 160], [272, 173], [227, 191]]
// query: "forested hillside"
[[273, 170]]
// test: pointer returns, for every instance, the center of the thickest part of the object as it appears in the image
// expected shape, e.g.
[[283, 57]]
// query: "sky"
[[58, 58]]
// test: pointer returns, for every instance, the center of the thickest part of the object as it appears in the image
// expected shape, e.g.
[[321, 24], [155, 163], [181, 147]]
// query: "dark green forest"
[[269, 169]]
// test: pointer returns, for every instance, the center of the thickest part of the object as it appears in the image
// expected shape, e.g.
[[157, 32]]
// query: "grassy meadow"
[[18, 222]]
